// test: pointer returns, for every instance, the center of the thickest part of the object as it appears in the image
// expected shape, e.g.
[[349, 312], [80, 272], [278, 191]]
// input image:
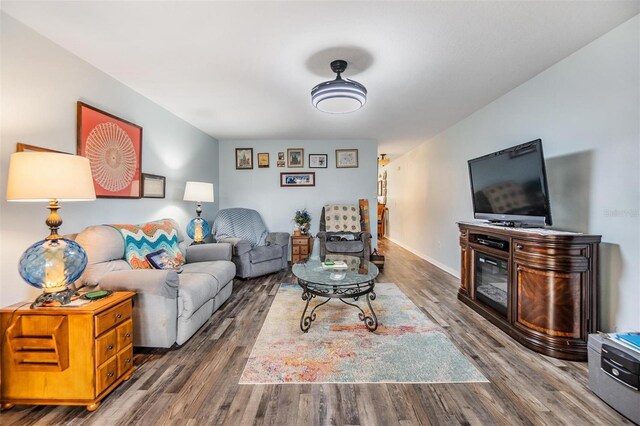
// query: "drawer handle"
[[128, 360], [118, 316], [109, 347], [126, 336], [519, 246], [110, 374]]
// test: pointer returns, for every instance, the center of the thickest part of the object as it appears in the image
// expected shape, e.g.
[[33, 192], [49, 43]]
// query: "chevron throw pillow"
[[140, 240]]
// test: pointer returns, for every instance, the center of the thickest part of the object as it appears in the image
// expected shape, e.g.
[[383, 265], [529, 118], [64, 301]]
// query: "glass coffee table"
[[356, 281]]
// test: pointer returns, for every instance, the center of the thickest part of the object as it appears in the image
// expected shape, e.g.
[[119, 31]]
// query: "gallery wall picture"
[[114, 149], [263, 160], [23, 147], [244, 158], [346, 158], [295, 157], [317, 161], [298, 179]]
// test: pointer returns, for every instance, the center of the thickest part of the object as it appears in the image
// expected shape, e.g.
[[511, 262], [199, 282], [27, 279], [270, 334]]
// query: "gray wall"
[[586, 110], [41, 83], [260, 189]]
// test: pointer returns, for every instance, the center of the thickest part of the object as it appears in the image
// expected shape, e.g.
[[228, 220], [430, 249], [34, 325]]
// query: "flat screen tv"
[[510, 186]]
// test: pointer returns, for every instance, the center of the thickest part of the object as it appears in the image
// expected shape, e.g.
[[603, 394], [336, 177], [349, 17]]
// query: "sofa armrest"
[[151, 281], [322, 235], [365, 236], [208, 252], [278, 238], [240, 246]]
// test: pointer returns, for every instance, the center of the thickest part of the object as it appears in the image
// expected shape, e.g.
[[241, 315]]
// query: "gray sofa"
[[169, 307], [256, 251]]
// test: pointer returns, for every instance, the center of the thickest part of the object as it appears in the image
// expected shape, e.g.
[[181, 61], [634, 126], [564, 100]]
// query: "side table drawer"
[[125, 360], [299, 241], [125, 334], [105, 347], [295, 249], [106, 375], [114, 316]]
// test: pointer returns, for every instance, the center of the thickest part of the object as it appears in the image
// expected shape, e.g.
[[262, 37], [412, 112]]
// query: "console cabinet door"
[[549, 302]]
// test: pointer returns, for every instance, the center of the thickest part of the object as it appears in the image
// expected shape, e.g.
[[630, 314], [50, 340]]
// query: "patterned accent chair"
[[256, 251], [341, 231]]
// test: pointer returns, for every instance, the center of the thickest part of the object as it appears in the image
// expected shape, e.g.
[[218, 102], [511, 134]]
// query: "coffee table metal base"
[[312, 290]]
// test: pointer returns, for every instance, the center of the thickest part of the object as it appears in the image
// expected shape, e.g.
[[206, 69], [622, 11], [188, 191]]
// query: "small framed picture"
[[298, 179], [23, 147], [281, 163], [317, 161], [281, 156], [153, 186], [244, 158], [346, 158], [263, 160], [295, 157]]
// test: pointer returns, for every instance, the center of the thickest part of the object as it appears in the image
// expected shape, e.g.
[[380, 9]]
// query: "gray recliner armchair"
[[256, 251], [341, 232]]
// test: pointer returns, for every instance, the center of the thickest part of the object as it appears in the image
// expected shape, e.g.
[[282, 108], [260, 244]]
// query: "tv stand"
[[551, 302]]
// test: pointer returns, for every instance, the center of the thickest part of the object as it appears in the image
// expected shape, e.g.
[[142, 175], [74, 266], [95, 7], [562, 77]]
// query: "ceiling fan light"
[[339, 96]]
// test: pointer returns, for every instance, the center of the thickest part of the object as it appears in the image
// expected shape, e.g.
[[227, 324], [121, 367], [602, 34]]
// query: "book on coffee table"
[[338, 264]]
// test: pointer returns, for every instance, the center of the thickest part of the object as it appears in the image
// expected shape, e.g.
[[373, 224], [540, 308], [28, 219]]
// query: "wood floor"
[[198, 382]]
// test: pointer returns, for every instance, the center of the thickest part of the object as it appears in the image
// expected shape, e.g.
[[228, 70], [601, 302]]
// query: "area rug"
[[407, 347]]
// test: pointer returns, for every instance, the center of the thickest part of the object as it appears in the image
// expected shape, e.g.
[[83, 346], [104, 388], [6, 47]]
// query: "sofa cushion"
[[264, 253], [102, 243], [344, 246], [140, 240], [342, 218], [200, 282]]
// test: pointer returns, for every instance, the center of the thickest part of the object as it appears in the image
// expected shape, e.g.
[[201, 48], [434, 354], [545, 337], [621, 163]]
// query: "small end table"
[[301, 247]]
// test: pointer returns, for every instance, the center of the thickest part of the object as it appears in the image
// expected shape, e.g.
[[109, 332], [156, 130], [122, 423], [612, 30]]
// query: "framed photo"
[[23, 147], [317, 161], [244, 158], [295, 157], [114, 149], [298, 179], [281, 163], [281, 156], [346, 158], [263, 160], [153, 186]]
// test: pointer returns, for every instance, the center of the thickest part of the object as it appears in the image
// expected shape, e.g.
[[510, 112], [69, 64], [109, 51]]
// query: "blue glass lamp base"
[[198, 229]]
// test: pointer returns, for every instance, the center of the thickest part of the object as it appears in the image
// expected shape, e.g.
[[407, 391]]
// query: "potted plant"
[[302, 220]]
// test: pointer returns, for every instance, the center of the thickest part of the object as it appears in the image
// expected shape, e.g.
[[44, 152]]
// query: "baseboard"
[[427, 258]]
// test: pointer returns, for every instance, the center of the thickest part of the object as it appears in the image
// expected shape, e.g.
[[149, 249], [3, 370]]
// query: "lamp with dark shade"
[[201, 192], [54, 263]]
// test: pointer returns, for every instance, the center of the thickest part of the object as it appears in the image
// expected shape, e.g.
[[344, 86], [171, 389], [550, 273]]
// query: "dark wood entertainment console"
[[551, 285]]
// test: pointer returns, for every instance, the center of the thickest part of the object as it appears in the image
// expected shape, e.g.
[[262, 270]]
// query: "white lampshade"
[[199, 191], [44, 176]]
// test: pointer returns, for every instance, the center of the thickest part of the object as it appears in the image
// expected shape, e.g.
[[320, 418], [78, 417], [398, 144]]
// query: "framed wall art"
[[298, 179], [317, 161], [295, 157], [23, 147], [153, 186], [114, 149], [244, 158], [346, 158], [263, 160]]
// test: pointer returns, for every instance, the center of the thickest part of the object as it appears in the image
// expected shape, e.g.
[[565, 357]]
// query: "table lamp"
[[201, 192], [54, 263]]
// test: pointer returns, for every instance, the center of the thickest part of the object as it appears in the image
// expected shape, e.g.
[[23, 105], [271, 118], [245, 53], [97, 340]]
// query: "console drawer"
[[114, 316]]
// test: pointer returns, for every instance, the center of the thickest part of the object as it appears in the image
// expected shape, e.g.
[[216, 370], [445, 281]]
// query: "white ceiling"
[[244, 70]]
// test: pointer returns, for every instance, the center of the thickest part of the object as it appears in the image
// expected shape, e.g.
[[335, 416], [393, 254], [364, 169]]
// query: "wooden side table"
[[301, 247], [66, 355]]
